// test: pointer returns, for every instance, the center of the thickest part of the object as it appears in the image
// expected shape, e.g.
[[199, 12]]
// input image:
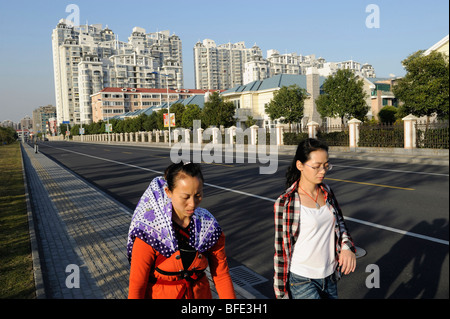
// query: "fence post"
[[187, 136], [253, 134], [312, 129], [215, 133], [409, 124], [279, 130], [231, 133], [199, 136], [353, 125]]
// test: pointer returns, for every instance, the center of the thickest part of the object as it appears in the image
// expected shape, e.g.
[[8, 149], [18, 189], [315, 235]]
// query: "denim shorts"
[[307, 288]]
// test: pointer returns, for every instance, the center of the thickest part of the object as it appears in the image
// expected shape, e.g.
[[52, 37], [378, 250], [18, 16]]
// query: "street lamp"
[[168, 102]]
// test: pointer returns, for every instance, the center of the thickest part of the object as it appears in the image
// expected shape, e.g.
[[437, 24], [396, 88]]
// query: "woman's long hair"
[[302, 154]]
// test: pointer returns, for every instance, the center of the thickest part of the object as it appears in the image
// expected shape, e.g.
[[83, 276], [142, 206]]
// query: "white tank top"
[[314, 250]]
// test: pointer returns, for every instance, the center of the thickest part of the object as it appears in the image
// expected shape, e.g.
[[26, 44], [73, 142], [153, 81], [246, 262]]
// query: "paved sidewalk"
[[75, 226]]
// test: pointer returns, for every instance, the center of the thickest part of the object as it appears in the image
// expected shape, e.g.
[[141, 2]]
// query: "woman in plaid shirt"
[[312, 244]]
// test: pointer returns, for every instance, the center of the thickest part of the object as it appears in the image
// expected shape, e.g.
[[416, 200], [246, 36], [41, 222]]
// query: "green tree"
[[7, 135], [150, 122], [343, 96], [388, 114], [160, 119], [218, 112], [287, 104], [118, 126], [132, 125], [114, 123], [191, 113], [178, 109], [250, 121], [424, 90], [75, 130], [63, 128]]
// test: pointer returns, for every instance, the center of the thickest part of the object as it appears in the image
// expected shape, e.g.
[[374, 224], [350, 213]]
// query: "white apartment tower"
[[88, 58], [222, 66], [258, 69]]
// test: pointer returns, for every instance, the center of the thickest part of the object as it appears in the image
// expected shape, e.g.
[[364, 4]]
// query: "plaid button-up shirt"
[[287, 223]]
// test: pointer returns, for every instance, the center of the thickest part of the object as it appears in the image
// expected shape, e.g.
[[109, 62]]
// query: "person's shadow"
[[427, 258]]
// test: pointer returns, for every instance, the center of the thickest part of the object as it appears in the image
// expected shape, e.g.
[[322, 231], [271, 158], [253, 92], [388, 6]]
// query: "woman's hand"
[[347, 261]]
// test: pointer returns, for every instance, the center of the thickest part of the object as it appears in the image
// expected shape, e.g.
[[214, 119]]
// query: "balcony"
[[240, 113]]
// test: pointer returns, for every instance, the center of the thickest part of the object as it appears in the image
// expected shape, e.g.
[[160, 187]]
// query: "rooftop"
[[273, 82], [141, 90]]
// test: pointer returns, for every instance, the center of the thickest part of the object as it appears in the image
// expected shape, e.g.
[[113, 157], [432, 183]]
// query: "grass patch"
[[16, 267]]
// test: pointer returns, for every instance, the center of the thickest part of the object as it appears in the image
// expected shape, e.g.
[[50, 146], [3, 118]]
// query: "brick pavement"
[[76, 224]]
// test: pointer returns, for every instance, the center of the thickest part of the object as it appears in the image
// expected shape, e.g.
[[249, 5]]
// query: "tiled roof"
[[195, 99], [276, 81]]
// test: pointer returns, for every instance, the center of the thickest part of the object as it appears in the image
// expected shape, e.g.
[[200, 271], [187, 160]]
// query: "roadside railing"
[[432, 135], [381, 135], [410, 134]]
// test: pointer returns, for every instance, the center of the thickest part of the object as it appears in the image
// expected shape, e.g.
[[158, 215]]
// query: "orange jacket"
[[143, 277]]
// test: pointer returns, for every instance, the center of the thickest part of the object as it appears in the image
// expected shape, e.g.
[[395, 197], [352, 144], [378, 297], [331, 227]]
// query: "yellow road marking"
[[370, 184], [127, 153]]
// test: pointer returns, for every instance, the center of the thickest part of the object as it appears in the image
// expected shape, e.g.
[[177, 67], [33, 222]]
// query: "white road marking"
[[395, 230]]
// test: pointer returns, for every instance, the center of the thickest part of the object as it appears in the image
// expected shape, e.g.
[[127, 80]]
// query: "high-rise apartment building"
[[41, 117], [88, 58], [219, 67], [290, 63], [229, 65]]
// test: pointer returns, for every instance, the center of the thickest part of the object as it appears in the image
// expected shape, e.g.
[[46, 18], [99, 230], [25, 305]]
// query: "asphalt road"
[[397, 213]]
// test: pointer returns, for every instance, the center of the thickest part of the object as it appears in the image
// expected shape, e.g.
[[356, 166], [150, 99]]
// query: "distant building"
[[41, 118], [113, 101], [220, 67], [252, 98], [8, 123], [88, 58], [258, 69], [26, 123], [23, 134], [381, 95]]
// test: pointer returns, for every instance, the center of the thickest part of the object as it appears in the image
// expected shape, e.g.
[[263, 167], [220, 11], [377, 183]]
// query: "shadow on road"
[[426, 266]]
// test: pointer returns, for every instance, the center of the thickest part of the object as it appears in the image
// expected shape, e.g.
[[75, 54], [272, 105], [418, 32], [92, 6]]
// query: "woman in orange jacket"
[[171, 241]]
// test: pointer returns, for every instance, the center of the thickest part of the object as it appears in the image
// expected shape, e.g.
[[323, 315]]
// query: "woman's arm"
[[220, 273], [142, 260]]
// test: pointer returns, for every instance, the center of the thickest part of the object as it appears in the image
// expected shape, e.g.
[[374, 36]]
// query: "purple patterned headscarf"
[[152, 222]]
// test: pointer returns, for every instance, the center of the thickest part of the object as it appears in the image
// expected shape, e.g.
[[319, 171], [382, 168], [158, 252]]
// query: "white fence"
[[234, 135]]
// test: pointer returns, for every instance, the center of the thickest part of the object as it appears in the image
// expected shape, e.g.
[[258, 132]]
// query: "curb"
[[37, 270]]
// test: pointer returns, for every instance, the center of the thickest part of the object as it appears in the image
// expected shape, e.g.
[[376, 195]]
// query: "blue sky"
[[334, 30]]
